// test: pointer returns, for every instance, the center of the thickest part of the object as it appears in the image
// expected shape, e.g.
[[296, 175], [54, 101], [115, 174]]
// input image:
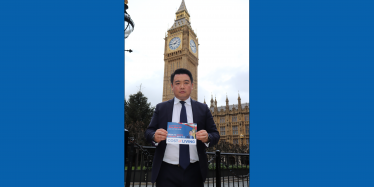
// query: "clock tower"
[[181, 51]]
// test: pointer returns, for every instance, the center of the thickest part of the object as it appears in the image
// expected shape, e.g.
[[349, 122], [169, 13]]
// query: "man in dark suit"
[[181, 165], [190, 136]]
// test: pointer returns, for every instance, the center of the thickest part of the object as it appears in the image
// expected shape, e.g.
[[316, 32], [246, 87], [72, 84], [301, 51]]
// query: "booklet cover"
[[181, 133]]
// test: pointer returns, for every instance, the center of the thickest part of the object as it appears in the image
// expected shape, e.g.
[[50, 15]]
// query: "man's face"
[[190, 133], [182, 86]]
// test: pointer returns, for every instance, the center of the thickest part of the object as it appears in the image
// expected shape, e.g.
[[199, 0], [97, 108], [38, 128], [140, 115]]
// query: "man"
[[190, 136], [181, 165]]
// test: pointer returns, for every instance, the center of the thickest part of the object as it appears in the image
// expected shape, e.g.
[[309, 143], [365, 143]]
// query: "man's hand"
[[202, 135], [160, 135]]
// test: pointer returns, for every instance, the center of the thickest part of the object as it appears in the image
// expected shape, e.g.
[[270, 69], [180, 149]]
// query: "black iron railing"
[[225, 169]]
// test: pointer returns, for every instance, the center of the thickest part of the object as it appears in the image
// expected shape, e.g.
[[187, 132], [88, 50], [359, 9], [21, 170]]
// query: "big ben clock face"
[[193, 46], [174, 43]]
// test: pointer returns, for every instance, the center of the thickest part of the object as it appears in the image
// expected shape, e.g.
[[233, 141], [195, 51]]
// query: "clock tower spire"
[[181, 51]]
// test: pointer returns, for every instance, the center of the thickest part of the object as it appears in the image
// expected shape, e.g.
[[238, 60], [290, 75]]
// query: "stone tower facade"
[[181, 51]]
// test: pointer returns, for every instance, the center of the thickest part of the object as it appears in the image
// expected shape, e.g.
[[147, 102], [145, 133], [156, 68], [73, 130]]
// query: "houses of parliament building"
[[232, 121], [182, 51]]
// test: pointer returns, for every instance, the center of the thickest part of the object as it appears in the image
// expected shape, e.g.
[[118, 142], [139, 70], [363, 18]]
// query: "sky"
[[222, 28]]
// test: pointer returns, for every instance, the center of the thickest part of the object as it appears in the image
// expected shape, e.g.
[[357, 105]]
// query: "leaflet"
[[181, 133]]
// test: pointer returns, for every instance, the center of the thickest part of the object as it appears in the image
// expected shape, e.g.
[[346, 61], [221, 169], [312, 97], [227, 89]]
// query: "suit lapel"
[[194, 113], [170, 110]]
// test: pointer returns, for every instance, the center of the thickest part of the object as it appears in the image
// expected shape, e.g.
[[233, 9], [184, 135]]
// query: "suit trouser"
[[174, 176]]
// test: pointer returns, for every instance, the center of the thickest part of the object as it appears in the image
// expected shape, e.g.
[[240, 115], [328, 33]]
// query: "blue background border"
[[312, 93], [61, 80], [62, 84]]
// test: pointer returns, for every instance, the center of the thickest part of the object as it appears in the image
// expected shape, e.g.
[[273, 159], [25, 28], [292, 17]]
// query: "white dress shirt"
[[172, 150]]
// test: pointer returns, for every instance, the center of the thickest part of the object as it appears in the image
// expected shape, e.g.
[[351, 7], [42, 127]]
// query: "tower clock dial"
[[174, 43], [193, 46]]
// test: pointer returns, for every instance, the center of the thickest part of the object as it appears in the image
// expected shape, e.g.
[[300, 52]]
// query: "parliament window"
[[235, 130], [222, 120], [222, 129], [235, 141], [247, 129], [247, 118], [234, 119], [247, 141]]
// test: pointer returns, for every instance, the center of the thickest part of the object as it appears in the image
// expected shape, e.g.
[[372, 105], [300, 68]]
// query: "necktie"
[[184, 150]]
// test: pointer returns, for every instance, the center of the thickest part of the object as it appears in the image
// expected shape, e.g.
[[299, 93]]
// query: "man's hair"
[[181, 71]]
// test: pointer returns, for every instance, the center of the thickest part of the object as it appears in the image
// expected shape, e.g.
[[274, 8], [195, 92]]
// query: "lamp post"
[[129, 24], [241, 137]]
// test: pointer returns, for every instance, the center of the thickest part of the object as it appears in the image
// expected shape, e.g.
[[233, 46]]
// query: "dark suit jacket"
[[190, 137], [201, 116]]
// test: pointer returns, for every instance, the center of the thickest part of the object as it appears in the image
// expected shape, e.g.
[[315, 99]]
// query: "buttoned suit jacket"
[[201, 116]]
